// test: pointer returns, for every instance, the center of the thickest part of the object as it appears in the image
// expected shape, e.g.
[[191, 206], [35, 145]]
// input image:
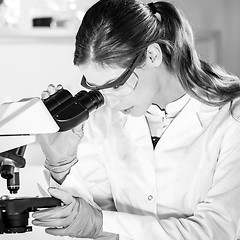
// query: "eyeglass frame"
[[123, 77]]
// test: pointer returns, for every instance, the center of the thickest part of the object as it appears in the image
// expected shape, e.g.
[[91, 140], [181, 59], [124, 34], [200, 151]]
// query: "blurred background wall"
[[222, 18], [31, 58]]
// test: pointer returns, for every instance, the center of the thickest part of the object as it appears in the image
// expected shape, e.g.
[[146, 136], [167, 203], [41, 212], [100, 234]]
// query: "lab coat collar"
[[188, 125], [176, 106]]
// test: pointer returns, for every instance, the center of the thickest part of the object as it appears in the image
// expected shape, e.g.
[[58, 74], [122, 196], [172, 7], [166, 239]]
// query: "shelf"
[[36, 34]]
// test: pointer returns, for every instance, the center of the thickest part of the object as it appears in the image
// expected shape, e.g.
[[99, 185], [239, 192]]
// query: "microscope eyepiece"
[[69, 111], [57, 99], [91, 100]]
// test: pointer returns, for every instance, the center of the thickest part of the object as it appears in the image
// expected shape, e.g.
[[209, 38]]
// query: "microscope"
[[20, 122]]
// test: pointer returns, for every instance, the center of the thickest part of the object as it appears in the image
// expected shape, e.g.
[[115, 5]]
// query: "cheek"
[[144, 96], [140, 99], [112, 101], [146, 92]]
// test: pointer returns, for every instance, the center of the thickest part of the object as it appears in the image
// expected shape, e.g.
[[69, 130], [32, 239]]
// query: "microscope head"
[[20, 121]]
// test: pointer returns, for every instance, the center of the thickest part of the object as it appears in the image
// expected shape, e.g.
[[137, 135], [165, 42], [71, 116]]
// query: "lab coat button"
[[150, 197]]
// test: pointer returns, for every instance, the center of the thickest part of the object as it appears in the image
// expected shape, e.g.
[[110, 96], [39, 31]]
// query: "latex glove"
[[76, 218], [60, 148]]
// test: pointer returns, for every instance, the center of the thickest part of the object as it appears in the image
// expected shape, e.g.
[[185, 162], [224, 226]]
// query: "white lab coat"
[[187, 188]]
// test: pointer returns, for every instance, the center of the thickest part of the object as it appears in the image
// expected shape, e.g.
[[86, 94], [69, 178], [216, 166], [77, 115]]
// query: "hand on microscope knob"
[[60, 148], [51, 89]]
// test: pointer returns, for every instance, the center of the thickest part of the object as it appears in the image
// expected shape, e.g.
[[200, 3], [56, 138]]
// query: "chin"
[[137, 113]]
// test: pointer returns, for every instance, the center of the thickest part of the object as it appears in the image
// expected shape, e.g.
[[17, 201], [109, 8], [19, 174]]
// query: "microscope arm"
[[21, 121], [60, 112]]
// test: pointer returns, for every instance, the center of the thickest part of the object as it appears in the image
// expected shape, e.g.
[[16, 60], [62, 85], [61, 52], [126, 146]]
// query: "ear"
[[154, 55]]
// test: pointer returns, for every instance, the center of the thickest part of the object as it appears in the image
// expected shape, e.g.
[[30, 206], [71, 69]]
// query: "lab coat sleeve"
[[91, 184], [88, 178], [217, 217]]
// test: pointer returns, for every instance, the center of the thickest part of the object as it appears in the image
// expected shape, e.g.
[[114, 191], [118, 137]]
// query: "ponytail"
[[209, 84]]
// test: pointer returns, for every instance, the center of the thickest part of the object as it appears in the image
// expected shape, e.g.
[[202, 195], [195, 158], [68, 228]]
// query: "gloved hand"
[[76, 218], [60, 148]]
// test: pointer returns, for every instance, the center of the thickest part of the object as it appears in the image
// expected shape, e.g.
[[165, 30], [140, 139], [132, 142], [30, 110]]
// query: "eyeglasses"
[[116, 87]]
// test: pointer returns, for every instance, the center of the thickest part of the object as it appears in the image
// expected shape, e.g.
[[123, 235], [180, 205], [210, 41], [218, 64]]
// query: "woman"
[[185, 183]]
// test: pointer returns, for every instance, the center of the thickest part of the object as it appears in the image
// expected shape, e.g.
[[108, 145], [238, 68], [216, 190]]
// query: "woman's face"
[[138, 100]]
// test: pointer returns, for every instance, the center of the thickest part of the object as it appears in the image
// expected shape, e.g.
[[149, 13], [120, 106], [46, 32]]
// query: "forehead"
[[99, 75]]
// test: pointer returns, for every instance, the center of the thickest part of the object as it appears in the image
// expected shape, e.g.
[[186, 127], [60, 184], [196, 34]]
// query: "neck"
[[169, 91]]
